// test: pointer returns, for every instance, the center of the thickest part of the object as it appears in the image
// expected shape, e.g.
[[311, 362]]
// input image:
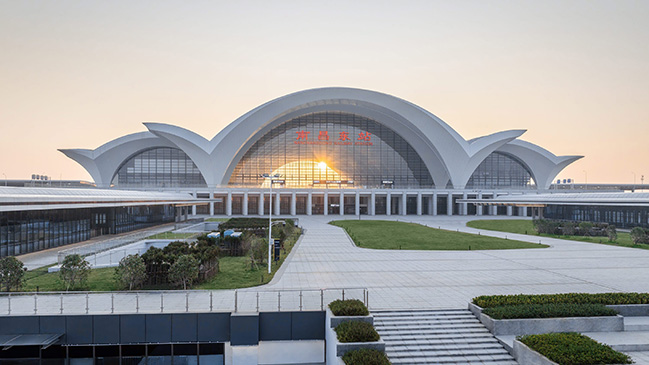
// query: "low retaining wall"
[[631, 310], [532, 326], [527, 356]]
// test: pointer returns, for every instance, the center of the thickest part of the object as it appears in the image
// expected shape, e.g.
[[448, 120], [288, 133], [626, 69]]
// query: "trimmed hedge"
[[488, 301], [356, 331], [365, 357], [553, 310], [349, 307], [573, 349]]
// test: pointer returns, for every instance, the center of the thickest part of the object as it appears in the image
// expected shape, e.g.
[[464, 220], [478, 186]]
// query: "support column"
[[228, 204], [261, 204], [326, 203], [277, 205], [523, 211], [388, 204], [434, 203], [479, 206], [342, 204], [404, 203], [465, 206], [372, 206], [309, 203], [293, 203], [211, 208], [244, 208], [419, 203], [449, 204], [357, 200], [193, 206], [509, 210]]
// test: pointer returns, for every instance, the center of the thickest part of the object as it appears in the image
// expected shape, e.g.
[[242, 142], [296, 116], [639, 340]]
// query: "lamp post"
[[5, 175], [270, 216], [586, 178], [633, 181]]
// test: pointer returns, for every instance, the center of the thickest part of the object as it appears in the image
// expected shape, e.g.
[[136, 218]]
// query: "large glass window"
[[499, 171], [159, 167], [332, 149]]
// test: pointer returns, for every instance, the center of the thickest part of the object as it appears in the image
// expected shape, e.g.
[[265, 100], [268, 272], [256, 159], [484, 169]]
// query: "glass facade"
[[159, 167], [500, 171], [152, 354], [28, 231], [332, 149], [621, 217]]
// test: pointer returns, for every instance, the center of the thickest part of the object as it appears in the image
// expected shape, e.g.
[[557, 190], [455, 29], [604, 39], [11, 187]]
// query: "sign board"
[[277, 247]]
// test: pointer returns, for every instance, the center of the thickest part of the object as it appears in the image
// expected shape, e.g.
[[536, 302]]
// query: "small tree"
[[184, 271], [638, 235], [585, 228], [11, 273], [258, 250], [131, 272], [611, 232], [74, 271]]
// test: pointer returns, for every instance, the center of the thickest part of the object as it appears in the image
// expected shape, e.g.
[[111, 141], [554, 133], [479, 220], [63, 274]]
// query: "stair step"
[[438, 337]]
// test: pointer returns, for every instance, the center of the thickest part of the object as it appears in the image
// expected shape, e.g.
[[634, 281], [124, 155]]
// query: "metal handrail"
[[176, 300]]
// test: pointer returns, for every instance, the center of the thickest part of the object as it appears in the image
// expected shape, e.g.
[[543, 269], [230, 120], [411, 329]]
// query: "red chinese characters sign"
[[364, 139]]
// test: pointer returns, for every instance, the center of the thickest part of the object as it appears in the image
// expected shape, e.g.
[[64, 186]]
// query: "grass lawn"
[[173, 236], [235, 272], [524, 226], [216, 219], [391, 235]]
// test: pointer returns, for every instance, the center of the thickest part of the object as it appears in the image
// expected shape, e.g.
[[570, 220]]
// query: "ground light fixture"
[[270, 215]]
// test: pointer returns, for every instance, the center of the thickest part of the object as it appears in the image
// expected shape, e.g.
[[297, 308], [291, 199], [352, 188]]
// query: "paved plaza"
[[325, 258]]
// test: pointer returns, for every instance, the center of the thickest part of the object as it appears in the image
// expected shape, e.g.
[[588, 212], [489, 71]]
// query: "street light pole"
[[633, 181], [270, 217], [586, 174], [5, 175]]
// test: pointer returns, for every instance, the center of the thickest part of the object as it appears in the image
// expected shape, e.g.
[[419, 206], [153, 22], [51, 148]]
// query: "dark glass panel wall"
[[358, 153], [621, 217], [159, 167], [28, 231], [499, 171]]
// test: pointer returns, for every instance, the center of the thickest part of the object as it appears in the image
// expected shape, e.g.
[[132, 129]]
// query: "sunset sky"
[[76, 74]]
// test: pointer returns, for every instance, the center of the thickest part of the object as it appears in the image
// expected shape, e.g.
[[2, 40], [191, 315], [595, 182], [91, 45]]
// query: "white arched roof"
[[448, 156]]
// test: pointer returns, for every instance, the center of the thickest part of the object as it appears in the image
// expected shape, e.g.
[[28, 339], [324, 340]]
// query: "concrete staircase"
[[438, 337]]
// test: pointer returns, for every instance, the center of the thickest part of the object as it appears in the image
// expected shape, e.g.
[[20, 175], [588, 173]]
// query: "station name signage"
[[364, 139], [346, 182]]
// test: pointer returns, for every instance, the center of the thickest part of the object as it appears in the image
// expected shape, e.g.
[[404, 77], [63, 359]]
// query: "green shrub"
[[365, 357], [573, 348], [487, 301], [349, 307], [639, 235], [356, 331], [552, 310]]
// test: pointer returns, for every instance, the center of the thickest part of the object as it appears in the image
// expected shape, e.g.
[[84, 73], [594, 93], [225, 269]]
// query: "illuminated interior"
[[306, 174]]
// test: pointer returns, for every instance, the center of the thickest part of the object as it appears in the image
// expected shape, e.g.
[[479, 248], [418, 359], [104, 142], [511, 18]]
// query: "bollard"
[[300, 300], [61, 309], [186, 301], [343, 294], [35, 303], [211, 301], [137, 302], [162, 304], [321, 299], [9, 304], [235, 301], [279, 301], [257, 302], [112, 303]]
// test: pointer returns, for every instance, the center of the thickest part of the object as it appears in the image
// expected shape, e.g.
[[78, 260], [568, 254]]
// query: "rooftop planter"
[[565, 349]]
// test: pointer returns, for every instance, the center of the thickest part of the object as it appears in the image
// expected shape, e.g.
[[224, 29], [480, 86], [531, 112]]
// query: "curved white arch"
[[446, 154], [102, 163], [543, 164]]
